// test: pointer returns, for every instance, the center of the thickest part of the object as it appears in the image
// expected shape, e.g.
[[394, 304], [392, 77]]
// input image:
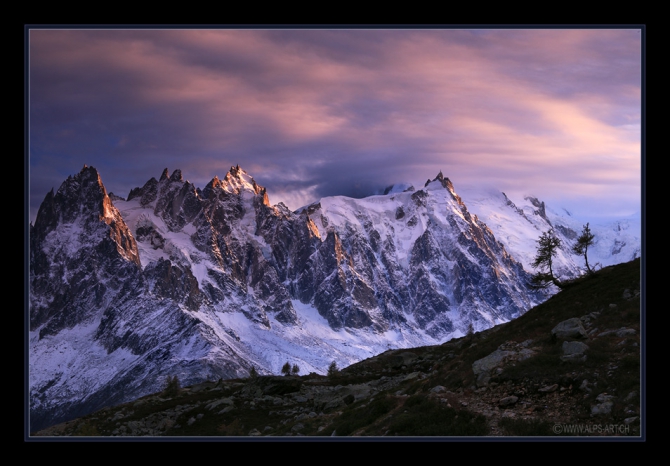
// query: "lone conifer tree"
[[547, 248], [286, 369], [172, 386], [295, 369], [581, 247], [333, 369]]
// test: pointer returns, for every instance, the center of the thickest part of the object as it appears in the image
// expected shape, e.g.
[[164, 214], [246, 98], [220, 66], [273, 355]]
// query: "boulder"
[[482, 367], [604, 405], [573, 351], [571, 328], [622, 332]]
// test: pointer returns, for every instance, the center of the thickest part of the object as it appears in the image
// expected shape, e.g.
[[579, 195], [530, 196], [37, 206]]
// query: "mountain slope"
[[431, 262], [208, 283], [533, 386]]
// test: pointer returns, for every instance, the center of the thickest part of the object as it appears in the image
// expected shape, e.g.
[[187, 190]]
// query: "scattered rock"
[[214, 404], [573, 351], [508, 352], [508, 401], [604, 397], [604, 405], [585, 386], [574, 347], [548, 388], [602, 408], [571, 328], [297, 427]]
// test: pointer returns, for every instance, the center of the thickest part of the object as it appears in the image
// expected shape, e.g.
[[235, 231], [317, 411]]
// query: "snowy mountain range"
[[206, 283]]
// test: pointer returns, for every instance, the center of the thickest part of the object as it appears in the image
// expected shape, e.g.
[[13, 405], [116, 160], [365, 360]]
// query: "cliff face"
[[82, 255]]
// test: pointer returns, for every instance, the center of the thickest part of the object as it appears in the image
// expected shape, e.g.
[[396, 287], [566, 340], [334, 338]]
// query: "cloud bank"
[[313, 113]]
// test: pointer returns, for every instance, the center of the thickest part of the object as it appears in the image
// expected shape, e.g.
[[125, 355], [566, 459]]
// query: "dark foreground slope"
[[528, 377]]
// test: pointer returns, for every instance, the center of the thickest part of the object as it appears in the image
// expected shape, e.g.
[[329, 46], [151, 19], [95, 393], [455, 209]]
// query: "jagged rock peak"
[[87, 178], [444, 181], [238, 180], [176, 176], [83, 199], [439, 177], [164, 175], [214, 183], [448, 185], [540, 206]]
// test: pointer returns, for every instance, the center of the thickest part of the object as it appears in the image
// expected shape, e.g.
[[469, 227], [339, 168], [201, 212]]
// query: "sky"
[[553, 113]]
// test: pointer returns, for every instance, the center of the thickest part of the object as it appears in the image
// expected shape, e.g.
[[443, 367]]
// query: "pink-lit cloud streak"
[[309, 113]]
